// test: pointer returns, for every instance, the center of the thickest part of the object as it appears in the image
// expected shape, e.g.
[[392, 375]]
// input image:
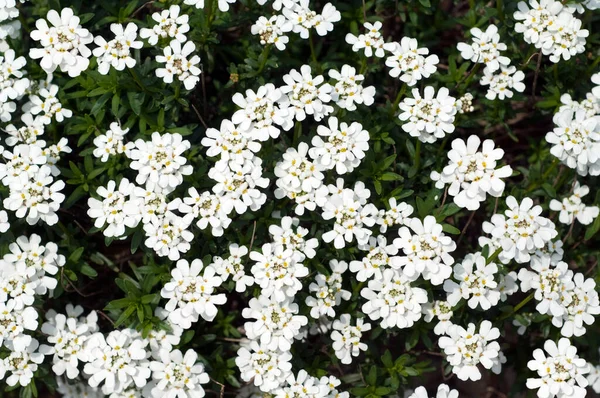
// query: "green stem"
[[210, 12], [518, 306], [264, 57], [312, 47], [418, 155], [136, 78], [363, 66], [398, 97], [494, 256], [500, 8]]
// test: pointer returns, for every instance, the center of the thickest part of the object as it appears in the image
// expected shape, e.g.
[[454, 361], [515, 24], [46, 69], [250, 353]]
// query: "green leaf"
[[100, 103], [592, 229], [125, 315], [450, 229], [75, 255], [136, 100], [425, 3]]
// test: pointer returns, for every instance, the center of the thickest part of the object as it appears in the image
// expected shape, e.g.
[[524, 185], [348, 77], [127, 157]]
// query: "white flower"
[[110, 210], [590, 105], [169, 235], [485, 48], [169, 24], [22, 362], [12, 84], [346, 338], [28, 134], [230, 143], [291, 236], [223, 4], [36, 197], [344, 148], [261, 111], [593, 378], [581, 305], [118, 360], [520, 233], [534, 22], [507, 285], [572, 207], [48, 105], [14, 321], [549, 282], [472, 173], [408, 61], [276, 324], [117, 52], [277, 270], [209, 209], [426, 250], [576, 141], [178, 375], [443, 391], [52, 154], [596, 81], [39, 260], [348, 90], [503, 82], [178, 64], [191, 294], [162, 339], [307, 94], [428, 118], [302, 386], [69, 337], [380, 257], [328, 387], [149, 205], [233, 266], [267, 369], [296, 174], [465, 104], [10, 29], [272, 30], [560, 373], [238, 184], [393, 300], [111, 143], [328, 291], [63, 43], [351, 218], [304, 19], [19, 283], [161, 160], [465, 349], [77, 390], [565, 38], [371, 42], [476, 283], [398, 214], [4, 223], [442, 311], [24, 161]]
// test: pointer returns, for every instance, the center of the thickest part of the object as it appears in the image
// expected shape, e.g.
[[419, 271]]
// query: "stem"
[[363, 66], [397, 100], [494, 256], [537, 73], [418, 155], [469, 77], [312, 47], [519, 306], [500, 8]]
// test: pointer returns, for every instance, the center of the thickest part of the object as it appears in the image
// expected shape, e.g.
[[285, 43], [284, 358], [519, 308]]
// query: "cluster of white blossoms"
[[576, 141], [328, 291], [465, 349], [161, 167], [13, 84], [443, 391], [551, 27], [346, 338], [571, 300], [295, 16], [430, 116], [471, 173], [29, 172], [498, 74], [561, 373], [572, 208], [519, 233]]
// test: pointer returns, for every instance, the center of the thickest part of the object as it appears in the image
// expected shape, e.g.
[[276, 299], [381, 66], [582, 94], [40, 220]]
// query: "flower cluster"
[[296, 16], [551, 27], [572, 208], [472, 174]]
